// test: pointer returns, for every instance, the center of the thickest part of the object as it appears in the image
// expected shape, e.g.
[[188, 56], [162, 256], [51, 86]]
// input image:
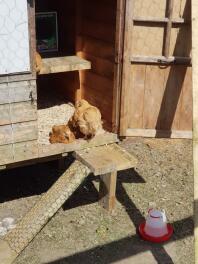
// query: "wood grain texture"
[[54, 149], [17, 92], [6, 154], [64, 64], [106, 159], [107, 191], [153, 96], [25, 150], [18, 112], [195, 117], [126, 75], [95, 41], [136, 95], [160, 95]]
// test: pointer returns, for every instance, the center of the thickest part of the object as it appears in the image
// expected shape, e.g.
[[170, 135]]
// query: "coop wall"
[[96, 29], [18, 121]]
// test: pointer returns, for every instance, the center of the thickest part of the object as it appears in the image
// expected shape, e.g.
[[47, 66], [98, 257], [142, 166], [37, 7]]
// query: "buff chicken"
[[87, 119]]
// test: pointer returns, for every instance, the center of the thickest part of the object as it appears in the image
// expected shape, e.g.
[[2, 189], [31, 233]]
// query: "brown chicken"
[[61, 134], [87, 119], [38, 62]]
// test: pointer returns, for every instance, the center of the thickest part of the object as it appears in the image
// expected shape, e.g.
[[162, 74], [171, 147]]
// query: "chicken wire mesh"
[[14, 37]]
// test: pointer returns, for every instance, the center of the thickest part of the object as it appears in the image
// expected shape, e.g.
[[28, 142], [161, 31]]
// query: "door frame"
[[118, 60]]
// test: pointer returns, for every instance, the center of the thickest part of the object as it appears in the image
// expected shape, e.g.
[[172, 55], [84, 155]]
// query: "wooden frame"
[[126, 64], [195, 117], [29, 75], [119, 48]]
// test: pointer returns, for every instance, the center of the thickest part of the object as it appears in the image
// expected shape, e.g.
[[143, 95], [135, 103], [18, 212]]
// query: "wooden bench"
[[106, 161]]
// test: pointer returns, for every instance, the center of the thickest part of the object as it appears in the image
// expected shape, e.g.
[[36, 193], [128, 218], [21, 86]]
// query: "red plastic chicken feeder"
[[155, 228]]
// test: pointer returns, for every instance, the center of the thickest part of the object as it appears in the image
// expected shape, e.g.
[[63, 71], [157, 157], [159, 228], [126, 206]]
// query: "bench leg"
[[107, 191]]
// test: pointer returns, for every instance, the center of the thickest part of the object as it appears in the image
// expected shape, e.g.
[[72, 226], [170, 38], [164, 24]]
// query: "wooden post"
[[78, 92], [168, 28], [126, 73], [107, 191], [119, 45], [195, 117]]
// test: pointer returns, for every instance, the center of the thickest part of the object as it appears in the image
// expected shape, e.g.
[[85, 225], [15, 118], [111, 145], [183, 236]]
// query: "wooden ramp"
[[104, 160]]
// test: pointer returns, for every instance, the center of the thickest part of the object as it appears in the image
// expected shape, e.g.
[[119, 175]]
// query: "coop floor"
[[52, 110], [83, 233]]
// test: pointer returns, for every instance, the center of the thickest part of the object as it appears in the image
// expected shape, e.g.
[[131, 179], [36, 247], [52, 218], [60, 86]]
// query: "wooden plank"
[[99, 66], [18, 132], [64, 64], [6, 135], [136, 95], [159, 20], [144, 8], [97, 83], [15, 94], [54, 149], [5, 117], [143, 43], [170, 111], [106, 159], [166, 52], [97, 47], [186, 102], [17, 77], [119, 46], [25, 131], [126, 76], [194, 7], [99, 30], [25, 150], [161, 60], [22, 112], [31, 150], [107, 191], [6, 154], [18, 112], [103, 7], [152, 133], [153, 96]]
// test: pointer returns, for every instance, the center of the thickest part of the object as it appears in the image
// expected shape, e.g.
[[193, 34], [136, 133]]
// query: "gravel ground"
[[52, 111], [82, 232]]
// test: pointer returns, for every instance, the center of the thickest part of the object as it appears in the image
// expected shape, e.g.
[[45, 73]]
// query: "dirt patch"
[[82, 232]]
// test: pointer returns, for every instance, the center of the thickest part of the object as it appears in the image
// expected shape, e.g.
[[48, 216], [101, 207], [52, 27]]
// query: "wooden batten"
[[153, 133]]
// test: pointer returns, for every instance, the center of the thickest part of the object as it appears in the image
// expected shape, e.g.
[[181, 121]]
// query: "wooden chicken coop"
[[130, 58]]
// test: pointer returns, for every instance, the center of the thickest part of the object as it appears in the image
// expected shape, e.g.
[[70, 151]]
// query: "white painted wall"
[[14, 37]]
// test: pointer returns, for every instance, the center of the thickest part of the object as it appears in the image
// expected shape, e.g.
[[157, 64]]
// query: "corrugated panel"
[[14, 37]]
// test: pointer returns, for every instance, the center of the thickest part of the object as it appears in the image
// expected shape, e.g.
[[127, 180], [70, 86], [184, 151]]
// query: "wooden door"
[[156, 98]]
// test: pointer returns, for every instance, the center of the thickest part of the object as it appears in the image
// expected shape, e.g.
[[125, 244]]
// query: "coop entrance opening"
[[76, 40]]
